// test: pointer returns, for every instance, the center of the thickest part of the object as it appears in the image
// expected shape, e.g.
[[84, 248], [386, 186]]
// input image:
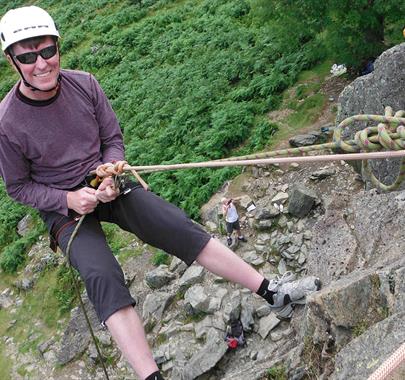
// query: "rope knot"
[[110, 169]]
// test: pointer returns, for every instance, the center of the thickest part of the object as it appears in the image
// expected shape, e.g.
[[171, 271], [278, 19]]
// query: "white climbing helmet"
[[25, 22]]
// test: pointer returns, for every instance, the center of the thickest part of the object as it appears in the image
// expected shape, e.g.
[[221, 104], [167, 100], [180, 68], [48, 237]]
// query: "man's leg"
[[223, 262], [127, 330], [229, 230], [106, 289], [164, 226]]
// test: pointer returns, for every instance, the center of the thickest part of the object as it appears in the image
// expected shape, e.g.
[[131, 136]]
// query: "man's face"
[[43, 73]]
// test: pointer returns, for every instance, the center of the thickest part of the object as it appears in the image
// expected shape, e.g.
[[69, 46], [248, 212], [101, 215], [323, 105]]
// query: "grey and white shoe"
[[289, 293]]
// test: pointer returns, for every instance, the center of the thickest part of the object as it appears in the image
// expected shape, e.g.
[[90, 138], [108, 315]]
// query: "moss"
[[277, 372], [360, 328], [160, 257]]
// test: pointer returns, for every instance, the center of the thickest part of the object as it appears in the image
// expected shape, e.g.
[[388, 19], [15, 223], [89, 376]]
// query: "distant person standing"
[[232, 219]]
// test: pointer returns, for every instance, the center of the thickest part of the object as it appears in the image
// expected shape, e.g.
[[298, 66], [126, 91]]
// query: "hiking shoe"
[[229, 241], [242, 238], [290, 293]]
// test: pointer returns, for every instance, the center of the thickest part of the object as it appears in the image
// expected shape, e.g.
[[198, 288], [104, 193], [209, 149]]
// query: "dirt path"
[[331, 88]]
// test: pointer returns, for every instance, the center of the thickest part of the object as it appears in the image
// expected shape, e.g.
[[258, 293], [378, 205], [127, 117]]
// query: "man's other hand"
[[83, 201], [106, 191]]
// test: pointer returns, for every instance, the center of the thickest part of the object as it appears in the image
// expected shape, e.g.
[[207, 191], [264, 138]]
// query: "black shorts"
[[149, 217], [232, 226]]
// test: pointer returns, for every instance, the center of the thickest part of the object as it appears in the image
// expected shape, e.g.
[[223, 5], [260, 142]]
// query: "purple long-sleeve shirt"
[[48, 147]]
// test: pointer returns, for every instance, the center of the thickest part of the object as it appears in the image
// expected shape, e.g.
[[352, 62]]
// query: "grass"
[[117, 239], [36, 321], [276, 372], [318, 72], [307, 111], [5, 362], [303, 104], [160, 257]]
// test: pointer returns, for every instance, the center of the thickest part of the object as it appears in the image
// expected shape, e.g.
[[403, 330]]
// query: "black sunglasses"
[[31, 57]]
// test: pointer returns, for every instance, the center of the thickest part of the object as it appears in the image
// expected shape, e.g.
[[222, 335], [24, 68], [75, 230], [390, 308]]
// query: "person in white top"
[[232, 219]]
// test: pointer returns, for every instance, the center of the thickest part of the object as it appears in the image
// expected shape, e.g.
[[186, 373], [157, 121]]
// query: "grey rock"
[[178, 266], [193, 275], [369, 94], [322, 174], [266, 324], [266, 213], [252, 258], [282, 266], [246, 316], [76, 337], [363, 355], [280, 198], [159, 277], [44, 346], [5, 300], [355, 300], [203, 300], [155, 304], [209, 322], [301, 201], [233, 307], [263, 310], [25, 284], [311, 138], [264, 225], [205, 359], [25, 225]]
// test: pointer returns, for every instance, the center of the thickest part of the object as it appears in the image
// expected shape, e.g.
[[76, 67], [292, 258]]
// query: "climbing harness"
[[367, 144]]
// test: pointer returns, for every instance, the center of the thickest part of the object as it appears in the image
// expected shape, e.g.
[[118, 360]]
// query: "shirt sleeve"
[[15, 171], [112, 146]]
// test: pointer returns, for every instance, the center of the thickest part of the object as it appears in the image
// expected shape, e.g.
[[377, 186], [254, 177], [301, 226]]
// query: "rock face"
[[370, 94]]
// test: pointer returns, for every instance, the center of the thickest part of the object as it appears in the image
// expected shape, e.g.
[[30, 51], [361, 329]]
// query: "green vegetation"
[[276, 372], [36, 320], [160, 257], [64, 291], [116, 239], [360, 328]]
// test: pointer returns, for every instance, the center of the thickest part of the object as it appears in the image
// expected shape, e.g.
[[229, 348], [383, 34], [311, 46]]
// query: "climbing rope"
[[77, 289], [389, 365], [388, 134]]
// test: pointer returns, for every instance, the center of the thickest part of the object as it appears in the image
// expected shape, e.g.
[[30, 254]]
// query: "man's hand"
[[106, 191], [83, 201]]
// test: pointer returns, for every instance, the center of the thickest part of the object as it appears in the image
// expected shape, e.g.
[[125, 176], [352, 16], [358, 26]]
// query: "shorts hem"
[[199, 249], [114, 309]]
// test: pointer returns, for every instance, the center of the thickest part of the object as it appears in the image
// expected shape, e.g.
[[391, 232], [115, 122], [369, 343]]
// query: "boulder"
[[370, 94]]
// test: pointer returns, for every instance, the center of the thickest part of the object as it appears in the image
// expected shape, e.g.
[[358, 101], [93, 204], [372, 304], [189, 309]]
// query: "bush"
[[65, 292], [14, 255], [160, 258]]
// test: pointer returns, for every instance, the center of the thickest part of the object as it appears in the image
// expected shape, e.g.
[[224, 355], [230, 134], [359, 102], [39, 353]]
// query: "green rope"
[[388, 134], [77, 288]]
